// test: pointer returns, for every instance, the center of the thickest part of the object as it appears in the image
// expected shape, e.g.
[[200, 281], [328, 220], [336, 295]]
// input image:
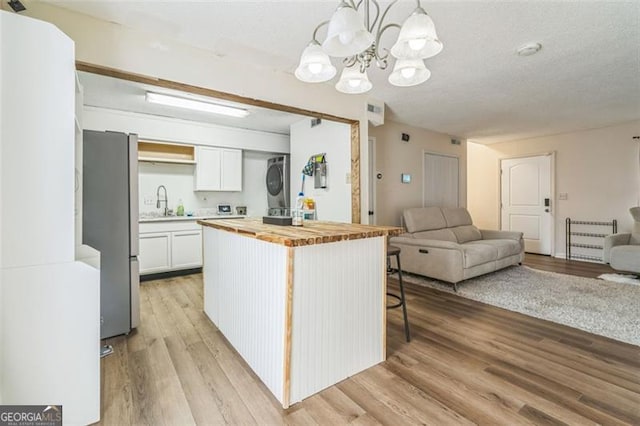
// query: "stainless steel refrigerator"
[[110, 225]]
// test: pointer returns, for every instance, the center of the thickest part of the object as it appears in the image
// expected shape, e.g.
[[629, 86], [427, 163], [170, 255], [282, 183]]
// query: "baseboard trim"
[[169, 274]]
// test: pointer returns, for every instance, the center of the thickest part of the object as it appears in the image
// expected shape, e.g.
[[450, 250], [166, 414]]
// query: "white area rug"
[[620, 278], [597, 306]]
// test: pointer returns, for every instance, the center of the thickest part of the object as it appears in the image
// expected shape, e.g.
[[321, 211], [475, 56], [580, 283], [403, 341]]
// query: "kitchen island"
[[304, 306]]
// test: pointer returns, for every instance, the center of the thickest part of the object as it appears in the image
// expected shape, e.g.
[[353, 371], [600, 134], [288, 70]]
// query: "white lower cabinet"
[[170, 246], [186, 249], [155, 252]]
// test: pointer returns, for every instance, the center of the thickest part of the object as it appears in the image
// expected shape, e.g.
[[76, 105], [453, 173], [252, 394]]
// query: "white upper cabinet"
[[208, 169], [218, 169], [231, 170]]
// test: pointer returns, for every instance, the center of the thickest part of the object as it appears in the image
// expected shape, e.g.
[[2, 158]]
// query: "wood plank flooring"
[[564, 266], [467, 363]]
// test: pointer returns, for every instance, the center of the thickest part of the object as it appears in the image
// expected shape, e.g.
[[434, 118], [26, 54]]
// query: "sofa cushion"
[[505, 247], [456, 216], [476, 254], [626, 258], [437, 234], [424, 219], [466, 233]]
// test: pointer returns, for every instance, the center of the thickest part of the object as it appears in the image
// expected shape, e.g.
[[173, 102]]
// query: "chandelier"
[[357, 41]]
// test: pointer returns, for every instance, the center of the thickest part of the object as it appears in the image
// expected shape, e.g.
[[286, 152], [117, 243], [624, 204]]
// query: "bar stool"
[[395, 251]]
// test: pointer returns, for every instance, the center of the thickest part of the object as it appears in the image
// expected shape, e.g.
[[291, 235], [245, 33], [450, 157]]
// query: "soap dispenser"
[[180, 209]]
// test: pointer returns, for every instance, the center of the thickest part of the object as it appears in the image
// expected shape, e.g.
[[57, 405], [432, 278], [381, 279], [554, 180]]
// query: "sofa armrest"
[[611, 241], [500, 235], [423, 242]]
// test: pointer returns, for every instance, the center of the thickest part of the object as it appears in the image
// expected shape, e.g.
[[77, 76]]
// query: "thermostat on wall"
[[406, 178]]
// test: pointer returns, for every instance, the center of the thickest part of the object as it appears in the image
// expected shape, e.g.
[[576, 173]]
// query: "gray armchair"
[[622, 251]]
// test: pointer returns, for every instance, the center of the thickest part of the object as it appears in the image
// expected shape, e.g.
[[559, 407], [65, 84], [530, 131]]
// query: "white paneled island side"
[[304, 306]]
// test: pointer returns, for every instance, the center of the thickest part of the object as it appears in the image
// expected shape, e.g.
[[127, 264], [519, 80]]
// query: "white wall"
[[334, 202], [179, 181], [394, 157], [598, 170], [166, 129], [112, 45]]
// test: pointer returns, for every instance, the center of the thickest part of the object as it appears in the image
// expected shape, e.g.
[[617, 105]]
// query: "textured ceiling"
[[587, 74]]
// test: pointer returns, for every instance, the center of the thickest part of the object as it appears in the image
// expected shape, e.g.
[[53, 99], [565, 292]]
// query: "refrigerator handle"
[[135, 292], [133, 195]]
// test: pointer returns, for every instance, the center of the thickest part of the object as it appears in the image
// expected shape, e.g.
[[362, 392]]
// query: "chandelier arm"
[[418, 4], [353, 4], [315, 32], [349, 61], [373, 24], [379, 35], [384, 15]]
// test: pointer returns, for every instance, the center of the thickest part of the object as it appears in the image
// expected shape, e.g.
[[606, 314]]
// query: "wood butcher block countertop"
[[312, 232]]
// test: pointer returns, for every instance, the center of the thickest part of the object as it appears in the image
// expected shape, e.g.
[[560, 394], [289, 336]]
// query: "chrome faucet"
[[165, 201]]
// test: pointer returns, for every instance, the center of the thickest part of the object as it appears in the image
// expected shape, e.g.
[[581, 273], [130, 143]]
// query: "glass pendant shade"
[[352, 81], [346, 35], [409, 72], [417, 38], [315, 65]]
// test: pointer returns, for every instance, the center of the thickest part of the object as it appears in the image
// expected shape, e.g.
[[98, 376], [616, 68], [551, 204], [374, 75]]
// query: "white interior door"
[[440, 181], [526, 200]]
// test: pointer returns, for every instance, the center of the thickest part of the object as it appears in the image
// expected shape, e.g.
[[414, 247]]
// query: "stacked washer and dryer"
[[277, 180]]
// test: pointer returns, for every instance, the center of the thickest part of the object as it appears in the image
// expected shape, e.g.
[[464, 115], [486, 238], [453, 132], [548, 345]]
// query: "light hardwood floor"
[[467, 363]]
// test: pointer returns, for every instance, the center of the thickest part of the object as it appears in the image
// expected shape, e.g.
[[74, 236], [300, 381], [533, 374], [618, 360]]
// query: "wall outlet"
[[148, 200], [347, 178], [563, 196]]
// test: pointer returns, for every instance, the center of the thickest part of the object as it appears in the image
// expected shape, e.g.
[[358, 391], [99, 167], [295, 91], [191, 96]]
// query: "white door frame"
[[551, 154], [373, 181], [457, 157]]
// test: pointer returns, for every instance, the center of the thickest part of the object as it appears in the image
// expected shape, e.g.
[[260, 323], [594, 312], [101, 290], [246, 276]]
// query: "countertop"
[[312, 232], [144, 219]]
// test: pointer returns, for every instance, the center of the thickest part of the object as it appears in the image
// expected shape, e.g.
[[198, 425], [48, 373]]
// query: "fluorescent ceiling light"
[[157, 98]]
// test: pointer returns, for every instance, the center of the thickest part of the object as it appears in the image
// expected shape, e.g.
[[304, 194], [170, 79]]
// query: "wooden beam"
[[355, 172]]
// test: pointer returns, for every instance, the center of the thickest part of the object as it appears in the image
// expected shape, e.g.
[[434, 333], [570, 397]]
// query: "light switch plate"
[[148, 200], [347, 178], [563, 196]]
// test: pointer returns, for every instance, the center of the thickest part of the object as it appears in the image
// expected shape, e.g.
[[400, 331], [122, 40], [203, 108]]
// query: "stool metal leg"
[[407, 333]]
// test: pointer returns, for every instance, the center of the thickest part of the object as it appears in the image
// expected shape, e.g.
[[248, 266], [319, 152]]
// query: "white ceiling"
[[113, 93], [587, 74]]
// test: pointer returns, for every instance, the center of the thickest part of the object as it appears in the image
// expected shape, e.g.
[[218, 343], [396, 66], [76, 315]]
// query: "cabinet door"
[[155, 252], [186, 249], [231, 170], [208, 169]]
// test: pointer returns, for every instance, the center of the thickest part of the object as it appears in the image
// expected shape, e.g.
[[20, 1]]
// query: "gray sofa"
[[443, 243], [622, 251]]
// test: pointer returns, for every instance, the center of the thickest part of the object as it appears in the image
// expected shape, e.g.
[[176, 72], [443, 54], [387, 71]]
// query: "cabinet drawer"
[[169, 226]]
